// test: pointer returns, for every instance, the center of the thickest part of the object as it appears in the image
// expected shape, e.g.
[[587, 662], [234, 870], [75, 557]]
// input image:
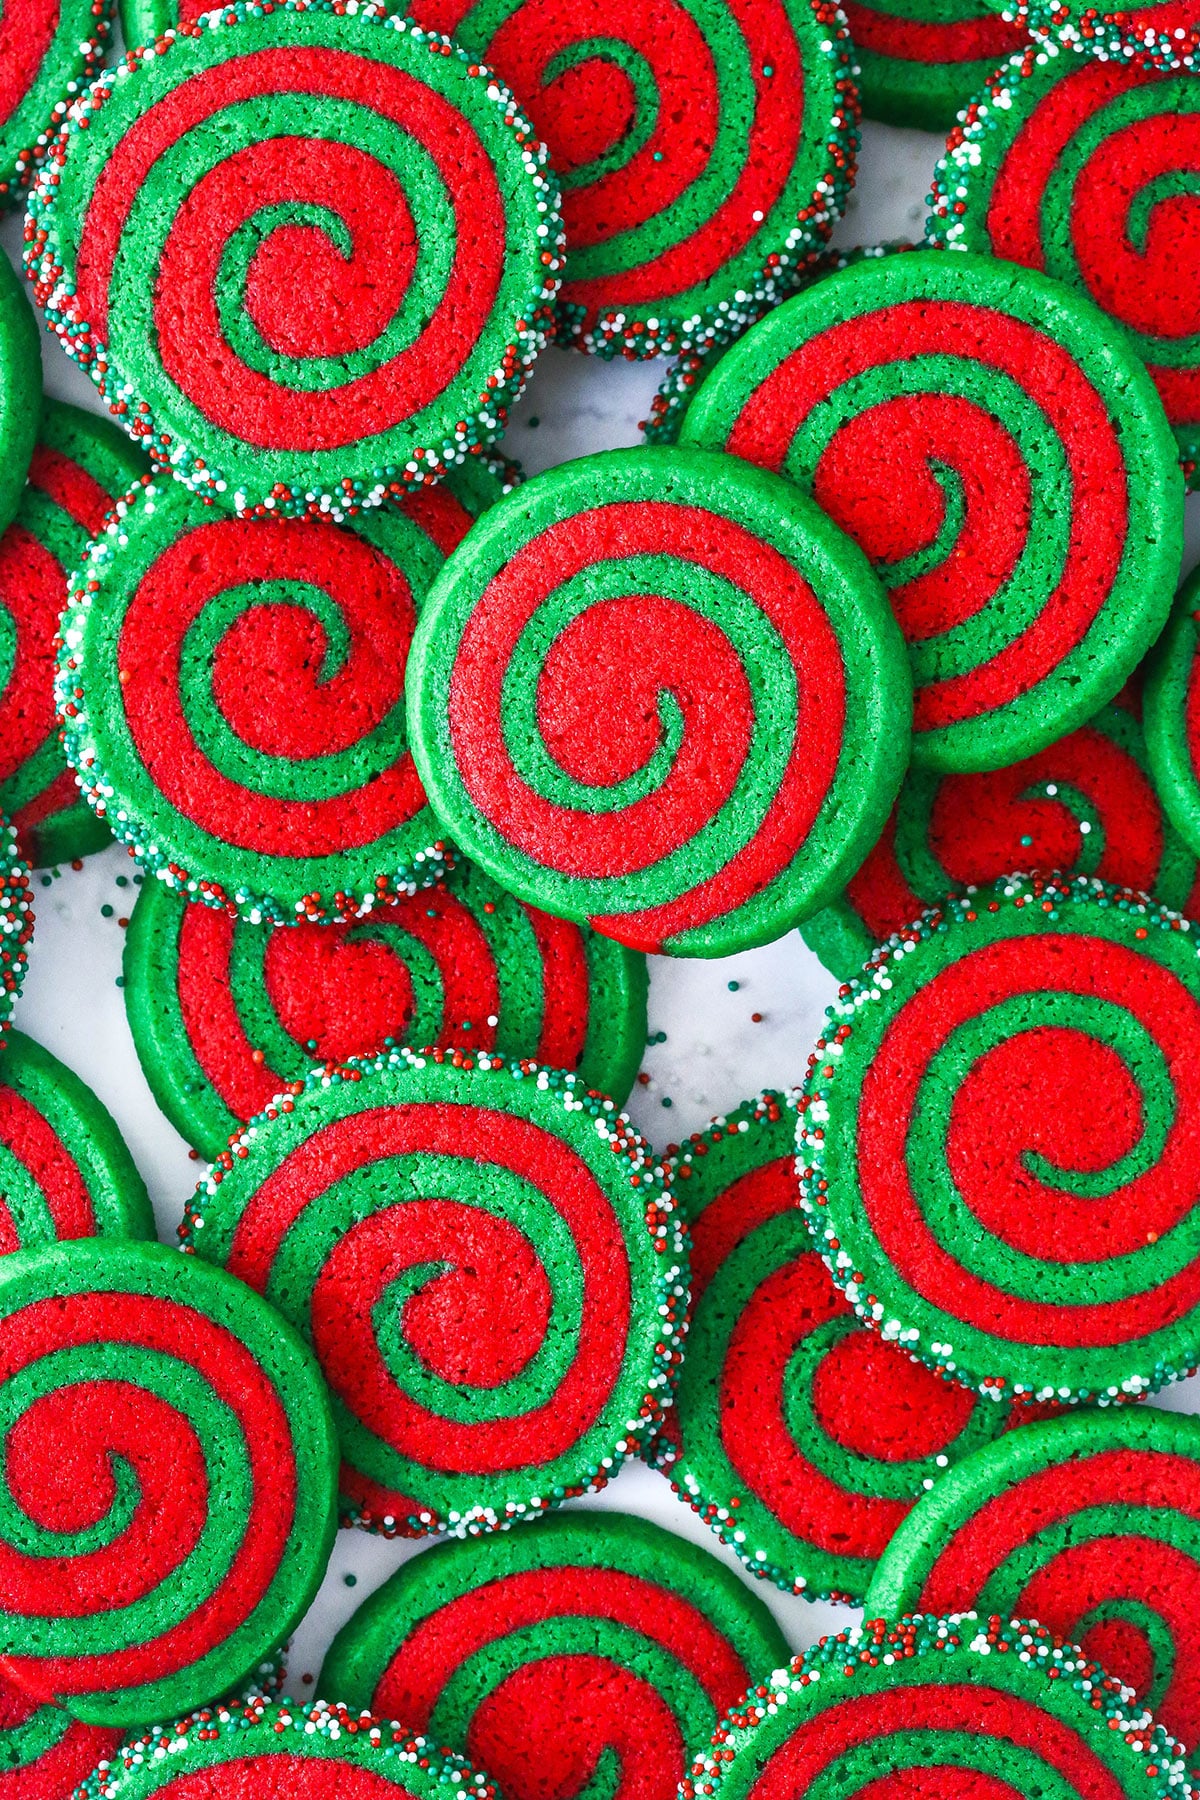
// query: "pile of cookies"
[[875, 636]]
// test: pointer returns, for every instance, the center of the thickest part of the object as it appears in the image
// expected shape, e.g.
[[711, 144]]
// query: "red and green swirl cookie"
[[81, 467], [64, 1169], [960, 1708], [1085, 806], [800, 1437], [487, 1261], [920, 61], [49, 52], [659, 691], [998, 1140], [307, 255], [259, 1750], [704, 148], [583, 1656], [1168, 31], [20, 377], [1173, 714], [232, 697], [1085, 167], [169, 1474], [1090, 1524], [225, 1015], [958, 417]]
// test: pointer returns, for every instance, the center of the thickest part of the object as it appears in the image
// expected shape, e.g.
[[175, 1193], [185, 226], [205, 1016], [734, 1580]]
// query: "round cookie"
[[1084, 806], [49, 52], [306, 254], [1173, 714], [1090, 1524], [585, 1655], [659, 691], [20, 382], [959, 417], [920, 61], [797, 1435], [487, 1261], [232, 697], [258, 1750], [225, 1015], [138, 1388], [704, 149], [1082, 167], [64, 1169], [678, 386], [996, 1141], [81, 467], [940, 1708]]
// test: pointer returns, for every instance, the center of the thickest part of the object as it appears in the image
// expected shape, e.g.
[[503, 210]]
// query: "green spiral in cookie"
[[186, 1531], [81, 467], [1091, 1524], [20, 386], [938, 1707], [997, 1148], [798, 1436], [583, 1656], [285, 1751], [1083, 162], [956, 415], [225, 1015], [1085, 806], [487, 1262], [306, 254], [232, 697]]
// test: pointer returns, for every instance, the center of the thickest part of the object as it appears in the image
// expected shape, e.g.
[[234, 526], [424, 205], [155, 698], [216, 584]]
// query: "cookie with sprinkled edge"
[[705, 148], [16, 922], [941, 1708], [586, 1654], [169, 1483], [81, 467], [488, 1263], [958, 415], [20, 382], [1085, 806], [1089, 1524], [232, 696], [49, 51], [261, 1750], [678, 386], [64, 1169], [225, 1015], [997, 1140], [45, 1754], [920, 61], [306, 254], [658, 690], [1167, 31], [797, 1435], [1081, 165], [1173, 714]]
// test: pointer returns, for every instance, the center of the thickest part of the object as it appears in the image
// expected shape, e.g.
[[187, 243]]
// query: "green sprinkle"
[[106, 911], [350, 1580], [733, 986]]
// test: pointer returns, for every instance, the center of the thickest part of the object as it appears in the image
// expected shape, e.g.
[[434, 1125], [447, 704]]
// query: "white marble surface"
[[714, 1054]]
